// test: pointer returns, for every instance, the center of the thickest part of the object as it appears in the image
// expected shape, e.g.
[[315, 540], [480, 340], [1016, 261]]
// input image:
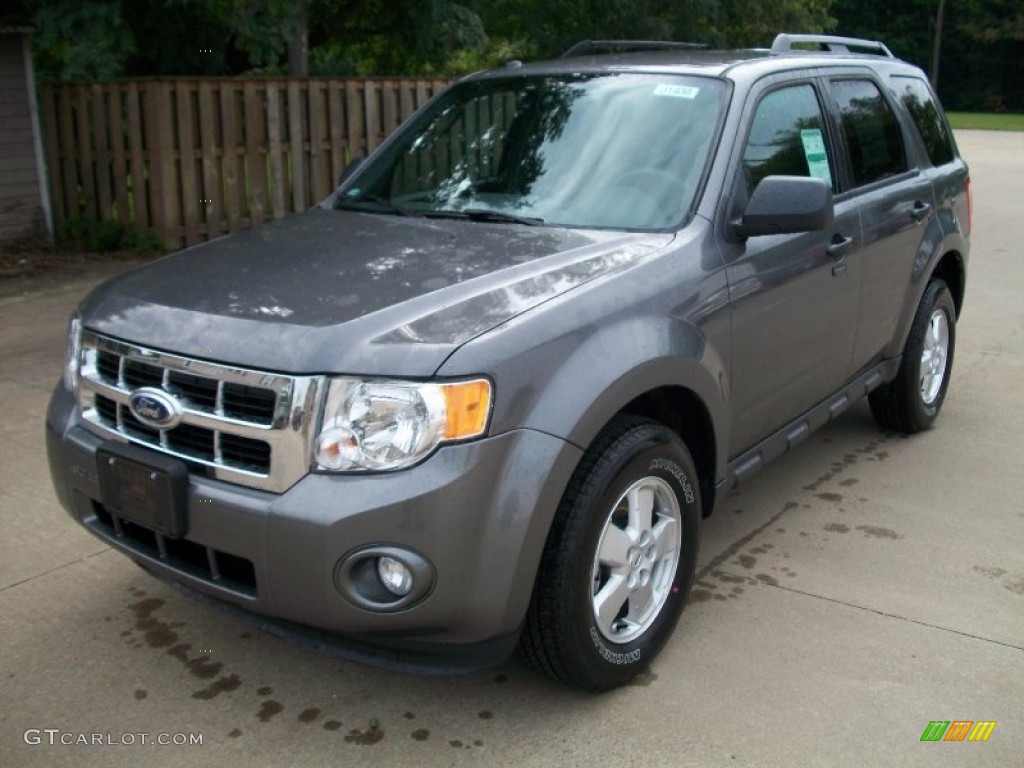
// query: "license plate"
[[142, 487]]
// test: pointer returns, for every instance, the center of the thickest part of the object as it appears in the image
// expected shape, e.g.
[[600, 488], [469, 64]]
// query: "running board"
[[794, 433]]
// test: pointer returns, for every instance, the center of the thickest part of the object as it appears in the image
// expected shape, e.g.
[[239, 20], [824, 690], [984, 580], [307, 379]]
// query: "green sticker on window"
[[814, 151]]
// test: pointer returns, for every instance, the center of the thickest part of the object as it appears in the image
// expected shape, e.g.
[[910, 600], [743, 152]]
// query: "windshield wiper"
[[384, 202], [484, 214]]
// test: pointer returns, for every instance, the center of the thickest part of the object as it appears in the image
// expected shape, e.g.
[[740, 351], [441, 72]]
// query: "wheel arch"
[[682, 410], [951, 270], [950, 266]]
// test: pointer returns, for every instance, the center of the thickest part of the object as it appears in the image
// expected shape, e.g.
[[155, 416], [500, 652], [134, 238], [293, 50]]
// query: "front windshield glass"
[[623, 151]]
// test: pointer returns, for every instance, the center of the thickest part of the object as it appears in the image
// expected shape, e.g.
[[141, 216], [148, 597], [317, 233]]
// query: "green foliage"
[[103, 39], [985, 121], [984, 58], [80, 40], [209, 37], [258, 28], [498, 51], [994, 21], [982, 62], [185, 38], [751, 23], [982, 47], [392, 37], [554, 25], [332, 59], [88, 234], [905, 27], [377, 37]]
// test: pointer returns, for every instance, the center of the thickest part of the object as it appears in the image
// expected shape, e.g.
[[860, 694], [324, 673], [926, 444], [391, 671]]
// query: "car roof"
[[737, 65]]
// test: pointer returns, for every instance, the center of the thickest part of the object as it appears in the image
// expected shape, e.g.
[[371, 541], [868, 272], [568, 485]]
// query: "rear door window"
[[927, 115], [872, 131]]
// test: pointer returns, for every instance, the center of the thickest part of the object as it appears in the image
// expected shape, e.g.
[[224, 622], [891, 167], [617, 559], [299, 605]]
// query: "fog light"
[[384, 578], [394, 575]]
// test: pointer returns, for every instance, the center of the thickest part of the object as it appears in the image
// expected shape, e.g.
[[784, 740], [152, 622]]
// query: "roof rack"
[[590, 47], [784, 44]]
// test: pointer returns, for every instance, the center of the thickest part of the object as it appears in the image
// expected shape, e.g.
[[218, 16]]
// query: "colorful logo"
[[958, 730], [155, 408]]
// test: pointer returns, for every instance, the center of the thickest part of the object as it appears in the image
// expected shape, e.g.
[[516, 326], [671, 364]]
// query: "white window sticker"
[[814, 151], [676, 91]]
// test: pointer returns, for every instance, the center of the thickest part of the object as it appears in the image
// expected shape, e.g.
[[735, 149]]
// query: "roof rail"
[[784, 44], [591, 47]]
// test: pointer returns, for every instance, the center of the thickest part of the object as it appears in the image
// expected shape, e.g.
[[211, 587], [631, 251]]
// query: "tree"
[[549, 27], [991, 53], [933, 71], [904, 27], [298, 45], [80, 40], [752, 23], [395, 37], [995, 21], [101, 39], [977, 44]]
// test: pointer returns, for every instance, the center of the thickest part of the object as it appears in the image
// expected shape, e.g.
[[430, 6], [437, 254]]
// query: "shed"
[[24, 196]]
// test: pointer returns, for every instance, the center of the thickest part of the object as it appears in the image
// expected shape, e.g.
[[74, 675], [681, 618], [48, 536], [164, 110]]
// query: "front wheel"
[[912, 401], [619, 559]]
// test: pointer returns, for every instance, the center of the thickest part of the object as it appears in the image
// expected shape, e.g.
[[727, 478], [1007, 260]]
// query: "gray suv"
[[484, 394]]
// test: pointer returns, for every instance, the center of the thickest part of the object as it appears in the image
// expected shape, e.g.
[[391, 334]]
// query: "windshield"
[[623, 151]]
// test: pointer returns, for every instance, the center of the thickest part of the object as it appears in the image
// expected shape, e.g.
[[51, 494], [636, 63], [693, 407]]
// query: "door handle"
[[837, 248], [919, 211]]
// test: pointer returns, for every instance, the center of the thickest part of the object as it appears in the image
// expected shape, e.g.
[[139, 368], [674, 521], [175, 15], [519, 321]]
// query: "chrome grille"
[[249, 427]]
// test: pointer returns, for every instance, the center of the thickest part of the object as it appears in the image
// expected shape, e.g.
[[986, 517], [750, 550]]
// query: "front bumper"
[[478, 512]]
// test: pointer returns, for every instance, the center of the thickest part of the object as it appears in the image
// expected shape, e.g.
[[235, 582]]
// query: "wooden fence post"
[[161, 150], [138, 203]]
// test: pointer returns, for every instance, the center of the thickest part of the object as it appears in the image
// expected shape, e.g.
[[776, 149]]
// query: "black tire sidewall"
[[936, 297], [658, 453]]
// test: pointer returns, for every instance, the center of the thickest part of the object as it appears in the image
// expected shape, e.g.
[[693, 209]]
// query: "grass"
[[987, 121]]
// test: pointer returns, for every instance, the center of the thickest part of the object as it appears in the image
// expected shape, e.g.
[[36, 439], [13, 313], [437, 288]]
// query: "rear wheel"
[[912, 401], [619, 559]]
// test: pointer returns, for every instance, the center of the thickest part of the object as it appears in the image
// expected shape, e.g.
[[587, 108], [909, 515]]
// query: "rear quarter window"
[[927, 116]]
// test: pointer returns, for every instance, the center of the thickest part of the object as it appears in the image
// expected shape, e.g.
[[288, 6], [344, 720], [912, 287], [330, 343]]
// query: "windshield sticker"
[[676, 91], [814, 151]]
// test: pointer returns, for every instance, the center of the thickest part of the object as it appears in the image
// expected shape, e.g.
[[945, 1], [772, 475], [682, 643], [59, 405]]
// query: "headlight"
[[72, 353], [384, 424]]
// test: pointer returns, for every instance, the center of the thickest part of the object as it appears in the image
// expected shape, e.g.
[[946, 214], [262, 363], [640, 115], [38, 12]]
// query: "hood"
[[342, 292]]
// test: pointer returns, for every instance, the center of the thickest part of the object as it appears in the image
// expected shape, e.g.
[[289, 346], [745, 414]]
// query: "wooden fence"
[[190, 160]]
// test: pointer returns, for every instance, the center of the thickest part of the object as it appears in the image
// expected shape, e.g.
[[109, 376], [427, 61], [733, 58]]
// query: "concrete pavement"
[[851, 593]]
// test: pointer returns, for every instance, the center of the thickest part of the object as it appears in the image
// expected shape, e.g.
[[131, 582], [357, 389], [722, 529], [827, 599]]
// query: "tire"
[[607, 549], [911, 402]]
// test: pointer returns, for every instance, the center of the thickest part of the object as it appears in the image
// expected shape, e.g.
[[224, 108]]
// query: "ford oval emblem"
[[155, 408]]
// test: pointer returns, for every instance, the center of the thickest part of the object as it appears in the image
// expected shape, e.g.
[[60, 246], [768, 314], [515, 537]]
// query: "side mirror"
[[349, 169], [783, 205]]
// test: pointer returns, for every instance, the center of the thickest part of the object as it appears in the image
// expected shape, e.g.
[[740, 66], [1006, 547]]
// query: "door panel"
[[794, 298], [896, 206], [895, 220], [793, 325]]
